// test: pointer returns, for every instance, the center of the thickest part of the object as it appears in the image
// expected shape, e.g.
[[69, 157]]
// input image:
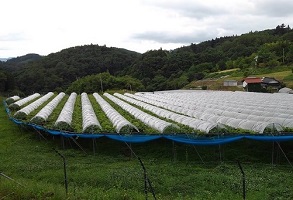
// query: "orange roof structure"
[[252, 80]]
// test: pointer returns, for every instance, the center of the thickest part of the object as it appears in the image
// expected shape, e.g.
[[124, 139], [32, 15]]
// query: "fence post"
[[64, 168], [146, 181], [243, 180]]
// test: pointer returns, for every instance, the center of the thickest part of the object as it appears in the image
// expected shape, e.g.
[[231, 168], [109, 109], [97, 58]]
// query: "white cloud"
[[272, 8], [140, 25]]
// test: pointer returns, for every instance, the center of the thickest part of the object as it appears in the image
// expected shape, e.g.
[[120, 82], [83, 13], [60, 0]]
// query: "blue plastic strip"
[[133, 138], [205, 141], [18, 122], [200, 141], [273, 138]]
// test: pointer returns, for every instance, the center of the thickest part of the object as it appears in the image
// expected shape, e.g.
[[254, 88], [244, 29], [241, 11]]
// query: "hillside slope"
[[216, 80], [158, 69]]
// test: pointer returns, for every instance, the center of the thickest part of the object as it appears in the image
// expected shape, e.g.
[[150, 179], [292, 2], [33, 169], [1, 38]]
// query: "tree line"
[[153, 70]]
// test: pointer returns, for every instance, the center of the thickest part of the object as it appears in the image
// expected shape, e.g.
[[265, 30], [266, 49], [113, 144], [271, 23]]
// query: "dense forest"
[[84, 68]]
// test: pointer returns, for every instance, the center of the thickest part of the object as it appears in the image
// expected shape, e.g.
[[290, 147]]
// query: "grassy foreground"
[[176, 171]]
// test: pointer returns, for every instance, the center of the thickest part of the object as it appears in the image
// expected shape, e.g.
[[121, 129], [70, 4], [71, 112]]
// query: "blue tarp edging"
[[134, 138], [140, 138], [206, 141], [273, 138]]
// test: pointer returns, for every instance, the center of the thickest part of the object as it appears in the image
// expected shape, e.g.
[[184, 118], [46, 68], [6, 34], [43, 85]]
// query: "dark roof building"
[[271, 84], [270, 81]]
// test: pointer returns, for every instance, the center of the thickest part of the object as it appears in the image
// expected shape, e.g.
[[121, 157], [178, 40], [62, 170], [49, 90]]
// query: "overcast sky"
[[47, 26]]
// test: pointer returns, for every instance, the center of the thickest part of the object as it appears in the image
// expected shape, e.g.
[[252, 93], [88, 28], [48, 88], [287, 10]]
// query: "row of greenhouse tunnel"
[[203, 111]]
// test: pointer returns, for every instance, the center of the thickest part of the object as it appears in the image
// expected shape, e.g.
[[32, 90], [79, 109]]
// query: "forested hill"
[[58, 70], [156, 69], [18, 62]]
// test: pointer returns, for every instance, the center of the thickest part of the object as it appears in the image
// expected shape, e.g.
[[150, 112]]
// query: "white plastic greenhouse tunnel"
[[22, 113], [47, 110], [90, 121], [64, 119], [119, 122], [152, 121]]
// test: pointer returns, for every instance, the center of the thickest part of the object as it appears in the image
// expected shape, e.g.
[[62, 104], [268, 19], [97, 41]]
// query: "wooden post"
[[174, 151], [186, 155]]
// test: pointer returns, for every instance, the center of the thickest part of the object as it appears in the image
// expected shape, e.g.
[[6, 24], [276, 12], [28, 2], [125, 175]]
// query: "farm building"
[[230, 83], [269, 82], [252, 84], [256, 84]]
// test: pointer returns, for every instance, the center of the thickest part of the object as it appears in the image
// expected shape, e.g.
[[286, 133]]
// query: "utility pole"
[[255, 58], [283, 55], [101, 83]]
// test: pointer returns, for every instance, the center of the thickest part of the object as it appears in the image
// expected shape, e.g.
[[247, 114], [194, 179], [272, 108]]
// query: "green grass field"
[[111, 171]]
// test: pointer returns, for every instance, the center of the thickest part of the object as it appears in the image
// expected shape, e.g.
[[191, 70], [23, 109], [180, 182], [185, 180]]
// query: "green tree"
[[266, 57], [3, 80], [289, 54], [102, 82]]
